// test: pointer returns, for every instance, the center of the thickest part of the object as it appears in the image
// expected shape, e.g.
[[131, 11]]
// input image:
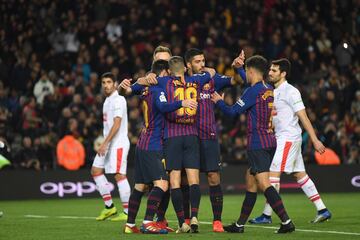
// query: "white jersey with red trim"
[[115, 158], [287, 101], [115, 106]]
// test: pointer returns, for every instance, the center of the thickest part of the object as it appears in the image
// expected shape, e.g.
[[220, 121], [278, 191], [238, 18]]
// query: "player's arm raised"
[[238, 64]]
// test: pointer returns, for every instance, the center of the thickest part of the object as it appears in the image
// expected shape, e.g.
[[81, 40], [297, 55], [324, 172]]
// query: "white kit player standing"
[[111, 156], [288, 109]]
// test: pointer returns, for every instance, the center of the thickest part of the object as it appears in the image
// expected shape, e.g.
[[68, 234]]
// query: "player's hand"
[[189, 103], [212, 71], [125, 84], [239, 61], [102, 149], [215, 97], [151, 79], [319, 147]]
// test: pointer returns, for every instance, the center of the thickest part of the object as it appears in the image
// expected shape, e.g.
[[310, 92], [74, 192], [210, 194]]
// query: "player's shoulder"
[[164, 78], [155, 89], [290, 89], [118, 99]]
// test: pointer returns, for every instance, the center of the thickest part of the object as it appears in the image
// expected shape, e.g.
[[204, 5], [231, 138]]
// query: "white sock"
[[146, 221], [130, 224], [275, 182], [311, 192], [124, 191], [102, 185]]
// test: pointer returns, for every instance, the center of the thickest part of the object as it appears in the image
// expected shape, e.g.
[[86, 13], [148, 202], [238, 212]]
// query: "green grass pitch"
[[52, 219]]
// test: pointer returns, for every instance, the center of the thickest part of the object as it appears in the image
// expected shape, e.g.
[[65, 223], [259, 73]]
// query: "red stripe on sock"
[[107, 198], [303, 183], [314, 199]]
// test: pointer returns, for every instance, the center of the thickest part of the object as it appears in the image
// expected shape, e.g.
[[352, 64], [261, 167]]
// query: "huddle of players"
[[177, 112], [179, 115]]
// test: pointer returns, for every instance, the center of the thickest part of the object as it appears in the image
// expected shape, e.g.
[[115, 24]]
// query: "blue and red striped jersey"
[[183, 121], [206, 116], [154, 105], [257, 101]]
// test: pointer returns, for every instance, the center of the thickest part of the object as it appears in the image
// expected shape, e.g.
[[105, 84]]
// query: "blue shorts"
[[182, 152], [210, 155], [149, 166], [259, 160]]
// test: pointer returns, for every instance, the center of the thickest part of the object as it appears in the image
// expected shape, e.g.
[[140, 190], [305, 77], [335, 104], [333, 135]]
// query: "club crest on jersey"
[[206, 87], [145, 92], [104, 117], [268, 93]]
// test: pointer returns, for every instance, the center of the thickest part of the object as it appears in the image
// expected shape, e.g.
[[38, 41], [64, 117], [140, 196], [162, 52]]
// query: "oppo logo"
[[355, 181], [62, 188]]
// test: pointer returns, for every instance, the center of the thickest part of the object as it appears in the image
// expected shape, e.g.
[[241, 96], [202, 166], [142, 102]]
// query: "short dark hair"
[[109, 75], [176, 64], [158, 66], [284, 65], [191, 53], [258, 62]]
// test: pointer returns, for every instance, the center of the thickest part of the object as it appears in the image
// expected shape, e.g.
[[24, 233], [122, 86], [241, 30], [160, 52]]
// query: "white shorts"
[[288, 157], [114, 161]]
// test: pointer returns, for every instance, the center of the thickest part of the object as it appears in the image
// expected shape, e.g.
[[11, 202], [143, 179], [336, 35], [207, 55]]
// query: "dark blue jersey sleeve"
[[136, 89], [241, 72], [221, 81], [201, 78], [247, 100], [161, 103]]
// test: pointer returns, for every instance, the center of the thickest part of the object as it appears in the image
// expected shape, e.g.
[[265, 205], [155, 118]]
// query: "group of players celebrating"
[[179, 140]]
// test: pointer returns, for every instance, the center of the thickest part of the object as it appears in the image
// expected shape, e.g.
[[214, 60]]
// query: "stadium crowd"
[[52, 53]]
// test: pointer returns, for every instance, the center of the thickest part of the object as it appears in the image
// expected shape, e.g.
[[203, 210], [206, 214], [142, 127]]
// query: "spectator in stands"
[[27, 157], [43, 88], [70, 152]]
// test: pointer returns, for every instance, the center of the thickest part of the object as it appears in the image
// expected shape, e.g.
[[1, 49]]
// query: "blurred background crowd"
[[52, 53]]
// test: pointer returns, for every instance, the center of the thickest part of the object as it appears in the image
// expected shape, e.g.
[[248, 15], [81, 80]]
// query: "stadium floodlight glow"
[[345, 45]]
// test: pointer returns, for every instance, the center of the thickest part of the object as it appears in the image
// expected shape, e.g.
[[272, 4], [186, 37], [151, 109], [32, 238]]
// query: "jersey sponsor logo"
[[240, 102], [355, 181], [268, 93], [205, 96], [64, 188], [162, 97]]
